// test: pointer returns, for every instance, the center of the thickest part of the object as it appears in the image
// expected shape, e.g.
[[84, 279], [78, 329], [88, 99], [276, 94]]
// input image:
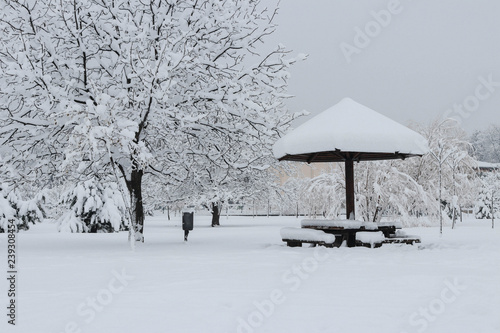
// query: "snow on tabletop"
[[370, 237], [398, 225], [350, 224], [331, 223], [306, 235], [350, 126]]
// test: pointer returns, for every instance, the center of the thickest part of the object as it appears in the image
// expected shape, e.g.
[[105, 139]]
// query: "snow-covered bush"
[[93, 207], [483, 208], [27, 211], [488, 201], [23, 212], [6, 211]]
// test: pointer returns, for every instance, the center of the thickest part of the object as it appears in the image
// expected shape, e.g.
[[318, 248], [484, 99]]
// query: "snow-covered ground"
[[241, 277]]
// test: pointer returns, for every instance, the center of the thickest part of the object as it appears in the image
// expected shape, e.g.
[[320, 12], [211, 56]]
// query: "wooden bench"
[[295, 237], [410, 240], [400, 237]]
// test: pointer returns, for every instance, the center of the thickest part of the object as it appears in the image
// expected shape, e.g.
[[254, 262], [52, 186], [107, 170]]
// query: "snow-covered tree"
[[488, 201], [289, 198], [486, 144], [386, 187], [7, 212], [325, 194], [120, 85], [17, 200], [211, 186], [22, 212], [93, 206], [380, 187], [162, 195], [448, 171]]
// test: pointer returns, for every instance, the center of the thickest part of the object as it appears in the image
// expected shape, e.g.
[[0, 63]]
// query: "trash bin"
[[187, 223]]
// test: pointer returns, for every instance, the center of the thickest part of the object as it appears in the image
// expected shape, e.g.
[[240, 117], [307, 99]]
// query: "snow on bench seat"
[[370, 239], [306, 235], [345, 224], [297, 236]]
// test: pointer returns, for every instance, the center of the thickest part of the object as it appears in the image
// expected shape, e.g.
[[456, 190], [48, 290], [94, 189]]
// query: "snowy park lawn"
[[241, 277]]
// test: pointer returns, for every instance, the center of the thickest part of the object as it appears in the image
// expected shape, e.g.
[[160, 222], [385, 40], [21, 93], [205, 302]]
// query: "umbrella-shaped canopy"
[[348, 132]]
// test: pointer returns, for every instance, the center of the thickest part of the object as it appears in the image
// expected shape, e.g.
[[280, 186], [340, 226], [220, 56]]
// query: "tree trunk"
[[215, 214], [377, 215], [134, 186], [268, 207]]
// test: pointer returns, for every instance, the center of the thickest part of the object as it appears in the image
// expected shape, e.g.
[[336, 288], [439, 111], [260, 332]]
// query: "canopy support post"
[[349, 189]]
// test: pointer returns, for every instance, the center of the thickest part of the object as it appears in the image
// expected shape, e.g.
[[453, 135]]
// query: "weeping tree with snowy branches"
[[447, 173], [124, 85], [324, 194], [386, 186]]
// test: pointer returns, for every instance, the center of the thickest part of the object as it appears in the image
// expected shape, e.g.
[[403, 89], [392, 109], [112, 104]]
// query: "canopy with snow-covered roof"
[[349, 127], [347, 132]]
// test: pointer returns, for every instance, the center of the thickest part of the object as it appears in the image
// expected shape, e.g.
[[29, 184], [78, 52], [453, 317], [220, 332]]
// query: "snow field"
[[241, 277]]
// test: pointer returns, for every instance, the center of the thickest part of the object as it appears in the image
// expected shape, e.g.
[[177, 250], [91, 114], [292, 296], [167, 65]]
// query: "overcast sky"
[[413, 60]]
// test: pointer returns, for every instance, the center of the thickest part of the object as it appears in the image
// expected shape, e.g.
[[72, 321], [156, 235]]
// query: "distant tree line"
[[486, 144]]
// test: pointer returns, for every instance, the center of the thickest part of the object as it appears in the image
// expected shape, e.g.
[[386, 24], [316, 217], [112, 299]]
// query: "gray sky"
[[419, 60]]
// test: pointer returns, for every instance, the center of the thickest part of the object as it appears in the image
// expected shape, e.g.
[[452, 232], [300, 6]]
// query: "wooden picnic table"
[[355, 233], [345, 230]]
